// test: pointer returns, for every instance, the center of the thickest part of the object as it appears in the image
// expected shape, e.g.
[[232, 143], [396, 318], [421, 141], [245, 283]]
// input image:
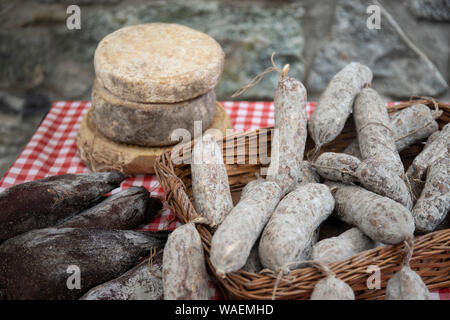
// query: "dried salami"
[[233, 240], [48, 201], [288, 143], [375, 135], [410, 125], [374, 176], [433, 204], [210, 187], [184, 271], [342, 247], [292, 227], [380, 218], [437, 146], [335, 103], [337, 166]]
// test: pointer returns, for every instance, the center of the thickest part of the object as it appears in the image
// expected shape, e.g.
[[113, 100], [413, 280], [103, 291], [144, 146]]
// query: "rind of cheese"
[[99, 153], [158, 63], [148, 125]]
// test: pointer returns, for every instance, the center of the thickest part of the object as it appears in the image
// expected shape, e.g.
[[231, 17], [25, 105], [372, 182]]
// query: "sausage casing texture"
[[380, 218], [433, 204], [332, 288], [37, 265], [416, 172], [309, 173], [337, 166], [353, 149], [409, 126], [184, 270], [406, 285], [45, 202], [210, 187], [253, 263], [125, 210], [335, 103], [374, 176], [235, 237], [412, 125], [435, 148], [433, 137], [308, 250], [375, 135], [139, 283], [289, 140], [342, 247], [249, 186], [292, 227]]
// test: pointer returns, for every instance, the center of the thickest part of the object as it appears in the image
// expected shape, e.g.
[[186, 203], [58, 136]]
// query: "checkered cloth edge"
[[52, 151]]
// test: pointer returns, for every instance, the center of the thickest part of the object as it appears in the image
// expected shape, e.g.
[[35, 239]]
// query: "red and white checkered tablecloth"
[[52, 151]]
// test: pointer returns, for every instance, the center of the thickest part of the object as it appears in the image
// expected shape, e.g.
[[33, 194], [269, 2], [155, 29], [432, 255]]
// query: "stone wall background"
[[42, 61]]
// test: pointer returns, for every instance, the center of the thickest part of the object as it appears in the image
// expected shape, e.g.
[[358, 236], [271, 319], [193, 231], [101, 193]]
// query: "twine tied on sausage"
[[408, 250], [153, 252], [373, 123], [285, 270], [282, 72]]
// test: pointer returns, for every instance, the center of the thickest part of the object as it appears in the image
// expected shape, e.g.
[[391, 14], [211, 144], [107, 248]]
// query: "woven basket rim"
[[299, 283]]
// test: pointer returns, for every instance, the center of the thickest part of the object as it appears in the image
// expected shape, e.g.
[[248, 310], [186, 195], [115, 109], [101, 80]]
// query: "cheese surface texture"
[[158, 63], [148, 124]]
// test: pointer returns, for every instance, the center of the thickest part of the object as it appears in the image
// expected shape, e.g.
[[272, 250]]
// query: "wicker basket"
[[431, 257]]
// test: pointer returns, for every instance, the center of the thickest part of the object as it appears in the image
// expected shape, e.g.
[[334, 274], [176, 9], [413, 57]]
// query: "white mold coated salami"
[[413, 124], [406, 284], [409, 126], [374, 176], [375, 135], [416, 171], [309, 173], [433, 150], [249, 186], [184, 271], [335, 103], [253, 263], [434, 202], [380, 218], [432, 137], [210, 188], [337, 166], [346, 245], [288, 143], [330, 287], [292, 227], [235, 237]]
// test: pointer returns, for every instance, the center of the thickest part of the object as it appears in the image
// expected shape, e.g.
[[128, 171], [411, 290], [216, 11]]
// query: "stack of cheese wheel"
[[151, 80]]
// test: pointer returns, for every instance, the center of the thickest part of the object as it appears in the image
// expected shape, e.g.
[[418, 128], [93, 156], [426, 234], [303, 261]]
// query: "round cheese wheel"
[[99, 153], [148, 125], [158, 63]]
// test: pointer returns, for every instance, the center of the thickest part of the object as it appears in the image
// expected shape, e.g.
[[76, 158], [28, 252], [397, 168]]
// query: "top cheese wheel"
[[158, 63]]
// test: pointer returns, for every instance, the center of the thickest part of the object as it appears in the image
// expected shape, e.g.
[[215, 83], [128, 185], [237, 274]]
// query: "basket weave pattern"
[[431, 258]]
